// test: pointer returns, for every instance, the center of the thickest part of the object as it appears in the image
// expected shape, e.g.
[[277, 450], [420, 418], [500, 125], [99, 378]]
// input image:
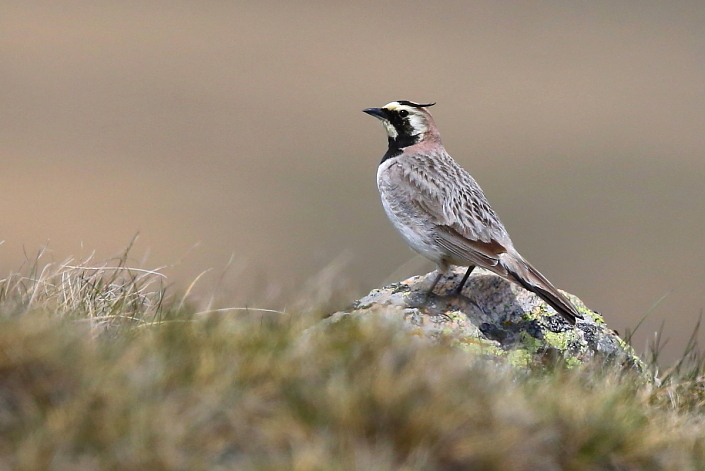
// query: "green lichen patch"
[[561, 340], [521, 358], [529, 343], [478, 346]]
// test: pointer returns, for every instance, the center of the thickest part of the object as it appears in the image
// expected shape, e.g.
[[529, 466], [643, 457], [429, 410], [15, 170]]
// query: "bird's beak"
[[376, 112]]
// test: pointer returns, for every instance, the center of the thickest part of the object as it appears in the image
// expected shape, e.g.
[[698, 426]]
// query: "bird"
[[441, 211]]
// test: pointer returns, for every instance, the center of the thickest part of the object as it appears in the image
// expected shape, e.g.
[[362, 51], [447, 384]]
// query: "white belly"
[[415, 230]]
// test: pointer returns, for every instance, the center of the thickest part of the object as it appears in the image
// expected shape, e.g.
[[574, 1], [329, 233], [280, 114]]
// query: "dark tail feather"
[[529, 278]]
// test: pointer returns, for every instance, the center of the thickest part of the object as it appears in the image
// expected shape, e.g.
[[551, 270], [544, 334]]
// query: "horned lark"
[[441, 211]]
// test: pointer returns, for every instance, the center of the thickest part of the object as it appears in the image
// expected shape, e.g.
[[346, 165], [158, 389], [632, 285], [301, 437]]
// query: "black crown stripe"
[[415, 105]]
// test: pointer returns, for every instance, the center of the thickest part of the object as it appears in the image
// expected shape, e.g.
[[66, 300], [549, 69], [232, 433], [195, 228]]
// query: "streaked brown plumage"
[[441, 211]]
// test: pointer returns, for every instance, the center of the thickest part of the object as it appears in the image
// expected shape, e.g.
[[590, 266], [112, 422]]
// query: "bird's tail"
[[522, 272]]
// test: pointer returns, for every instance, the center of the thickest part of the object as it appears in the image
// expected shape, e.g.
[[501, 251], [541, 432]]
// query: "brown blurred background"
[[221, 129]]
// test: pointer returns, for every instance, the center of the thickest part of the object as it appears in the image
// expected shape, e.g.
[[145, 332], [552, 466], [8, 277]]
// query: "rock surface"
[[497, 318]]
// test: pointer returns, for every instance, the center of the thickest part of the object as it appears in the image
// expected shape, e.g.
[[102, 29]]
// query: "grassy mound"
[[99, 369]]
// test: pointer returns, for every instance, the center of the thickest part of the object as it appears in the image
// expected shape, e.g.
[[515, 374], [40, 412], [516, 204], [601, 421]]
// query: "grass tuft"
[[105, 295]]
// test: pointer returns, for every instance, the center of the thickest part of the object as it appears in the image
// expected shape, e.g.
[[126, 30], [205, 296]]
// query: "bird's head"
[[406, 122]]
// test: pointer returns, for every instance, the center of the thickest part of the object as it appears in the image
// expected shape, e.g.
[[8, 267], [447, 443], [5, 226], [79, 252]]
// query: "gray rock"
[[496, 318]]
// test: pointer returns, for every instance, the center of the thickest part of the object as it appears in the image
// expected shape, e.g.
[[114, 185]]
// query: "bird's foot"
[[457, 291]]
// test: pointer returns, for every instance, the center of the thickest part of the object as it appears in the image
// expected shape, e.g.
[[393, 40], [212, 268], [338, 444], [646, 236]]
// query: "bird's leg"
[[435, 282], [458, 289]]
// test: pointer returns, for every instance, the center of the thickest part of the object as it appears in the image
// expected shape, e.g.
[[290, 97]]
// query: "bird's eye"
[[403, 113]]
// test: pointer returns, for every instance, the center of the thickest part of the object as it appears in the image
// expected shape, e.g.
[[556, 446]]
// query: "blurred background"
[[230, 136]]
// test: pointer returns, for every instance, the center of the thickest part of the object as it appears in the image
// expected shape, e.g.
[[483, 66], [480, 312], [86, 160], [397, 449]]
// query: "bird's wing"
[[475, 252], [450, 198]]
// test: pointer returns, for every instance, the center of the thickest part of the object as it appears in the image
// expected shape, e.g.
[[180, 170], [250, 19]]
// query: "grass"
[[102, 369]]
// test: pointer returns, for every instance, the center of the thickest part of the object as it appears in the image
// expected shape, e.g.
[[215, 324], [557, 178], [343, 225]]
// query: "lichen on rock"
[[496, 318]]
